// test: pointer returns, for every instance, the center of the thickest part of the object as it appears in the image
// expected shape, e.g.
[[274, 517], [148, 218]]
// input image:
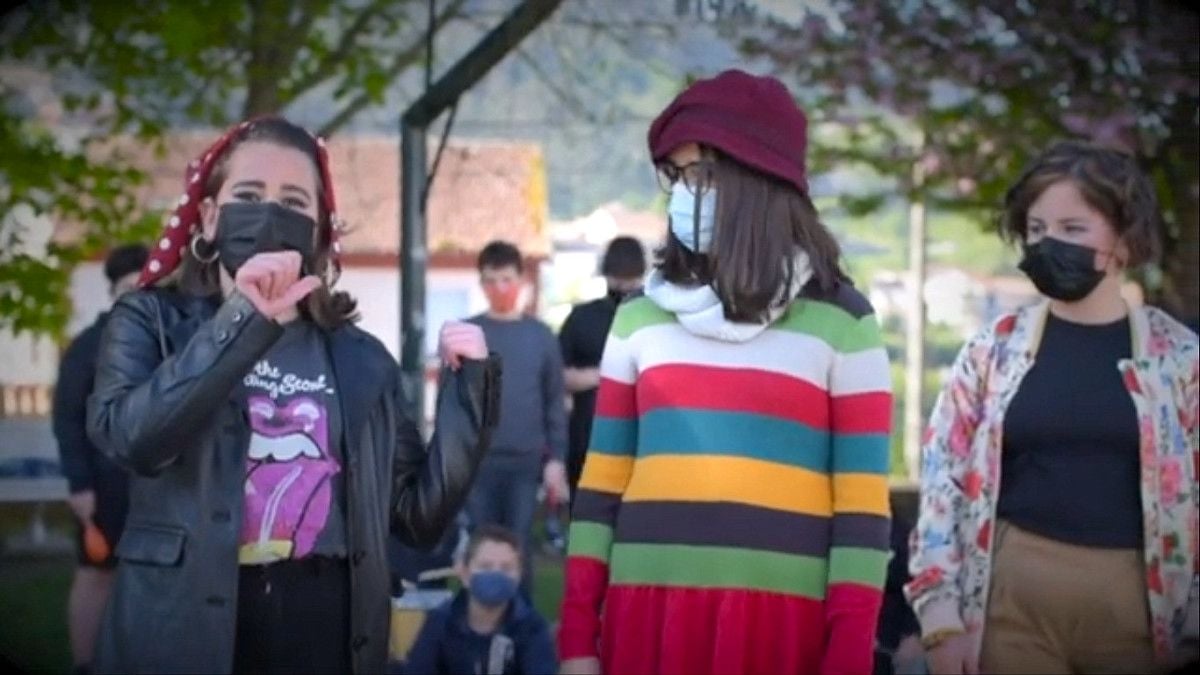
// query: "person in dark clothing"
[[408, 564], [529, 444], [898, 635], [582, 341], [487, 628], [99, 489], [268, 439]]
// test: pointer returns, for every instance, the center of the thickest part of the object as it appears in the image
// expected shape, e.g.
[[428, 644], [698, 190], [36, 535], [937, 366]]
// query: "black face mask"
[[617, 295], [244, 229], [1061, 270]]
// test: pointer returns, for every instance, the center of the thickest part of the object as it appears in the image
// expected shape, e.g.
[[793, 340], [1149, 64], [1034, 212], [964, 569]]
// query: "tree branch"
[[627, 42], [566, 97], [329, 65], [400, 63], [664, 25], [225, 60], [301, 27]]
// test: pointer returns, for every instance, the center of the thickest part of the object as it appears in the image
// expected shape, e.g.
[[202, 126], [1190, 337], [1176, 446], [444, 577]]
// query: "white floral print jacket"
[[951, 553]]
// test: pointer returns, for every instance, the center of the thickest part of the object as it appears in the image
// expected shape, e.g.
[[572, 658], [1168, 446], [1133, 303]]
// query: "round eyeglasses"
[[697, 176]]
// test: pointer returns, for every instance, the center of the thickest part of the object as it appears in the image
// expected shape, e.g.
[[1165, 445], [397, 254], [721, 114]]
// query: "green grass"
[[33, 597], [548, 587], [33, 613]]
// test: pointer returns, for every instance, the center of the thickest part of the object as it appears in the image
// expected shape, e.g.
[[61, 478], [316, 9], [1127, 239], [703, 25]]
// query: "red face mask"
[[502, 299]]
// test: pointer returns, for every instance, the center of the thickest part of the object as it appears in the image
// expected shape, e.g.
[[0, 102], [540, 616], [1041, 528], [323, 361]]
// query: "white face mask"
[[682, 210]]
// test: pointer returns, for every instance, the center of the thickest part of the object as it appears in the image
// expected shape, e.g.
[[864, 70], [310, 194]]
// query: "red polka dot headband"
[[184, 222]]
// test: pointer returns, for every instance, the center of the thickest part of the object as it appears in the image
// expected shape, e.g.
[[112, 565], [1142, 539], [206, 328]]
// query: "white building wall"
[[450, 295]]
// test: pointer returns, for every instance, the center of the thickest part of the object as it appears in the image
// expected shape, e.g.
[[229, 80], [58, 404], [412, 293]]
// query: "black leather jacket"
[[163, 406]]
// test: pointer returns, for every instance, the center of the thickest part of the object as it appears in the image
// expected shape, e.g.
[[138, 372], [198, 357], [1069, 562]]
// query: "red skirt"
[[649, 629]]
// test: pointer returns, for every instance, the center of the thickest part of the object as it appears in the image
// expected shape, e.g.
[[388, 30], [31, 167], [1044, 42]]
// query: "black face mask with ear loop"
[[247, 228], [1061, 270], [618, 295]]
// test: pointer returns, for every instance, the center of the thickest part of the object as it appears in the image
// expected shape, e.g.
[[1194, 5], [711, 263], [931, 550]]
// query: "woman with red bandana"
[[266, 435]]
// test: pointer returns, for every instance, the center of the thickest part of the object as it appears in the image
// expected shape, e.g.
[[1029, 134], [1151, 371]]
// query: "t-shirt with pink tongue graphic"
[[294, 485]]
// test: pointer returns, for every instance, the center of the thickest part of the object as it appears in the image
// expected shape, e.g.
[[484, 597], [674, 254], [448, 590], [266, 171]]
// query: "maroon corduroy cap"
[[752, 119]]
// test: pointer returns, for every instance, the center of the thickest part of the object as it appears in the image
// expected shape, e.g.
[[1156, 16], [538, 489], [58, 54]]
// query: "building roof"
[[482, 191]]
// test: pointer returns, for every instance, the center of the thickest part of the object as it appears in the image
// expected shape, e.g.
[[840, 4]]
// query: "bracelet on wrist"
[[937, 637]]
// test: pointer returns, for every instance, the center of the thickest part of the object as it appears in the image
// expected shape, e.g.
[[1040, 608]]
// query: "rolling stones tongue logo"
[[288, 474]]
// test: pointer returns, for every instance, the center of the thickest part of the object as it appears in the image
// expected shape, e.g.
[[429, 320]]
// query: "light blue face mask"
[[682, 209]]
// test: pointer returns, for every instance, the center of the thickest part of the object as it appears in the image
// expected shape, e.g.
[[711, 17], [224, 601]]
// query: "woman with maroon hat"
[[733, 511], [266, 435]]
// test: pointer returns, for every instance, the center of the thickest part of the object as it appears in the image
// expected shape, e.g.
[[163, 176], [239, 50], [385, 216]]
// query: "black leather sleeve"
[[143, 403], [431, 484]]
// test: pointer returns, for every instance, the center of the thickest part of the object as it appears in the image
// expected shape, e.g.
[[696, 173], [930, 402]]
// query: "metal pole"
[[414, 252], [914, 357], [483, 56], [414, 123]]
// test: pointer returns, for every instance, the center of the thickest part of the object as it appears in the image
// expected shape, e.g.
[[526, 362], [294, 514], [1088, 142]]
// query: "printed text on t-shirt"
[[276, 384]]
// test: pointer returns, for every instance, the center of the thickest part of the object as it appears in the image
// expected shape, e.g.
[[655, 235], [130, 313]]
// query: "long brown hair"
[[760, 223], [325, 307]]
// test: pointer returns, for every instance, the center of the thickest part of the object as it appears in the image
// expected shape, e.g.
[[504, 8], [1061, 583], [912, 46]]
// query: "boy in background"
[[529, 445], [488, 628]]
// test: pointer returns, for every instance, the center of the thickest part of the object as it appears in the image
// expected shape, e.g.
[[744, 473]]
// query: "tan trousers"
[[1061, 608]]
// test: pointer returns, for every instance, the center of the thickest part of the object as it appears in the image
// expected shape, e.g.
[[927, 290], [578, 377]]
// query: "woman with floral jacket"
[[1086, 559]]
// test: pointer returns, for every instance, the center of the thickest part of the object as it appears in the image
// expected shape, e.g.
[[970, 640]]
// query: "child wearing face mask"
[[488, 628], [1058, 516]]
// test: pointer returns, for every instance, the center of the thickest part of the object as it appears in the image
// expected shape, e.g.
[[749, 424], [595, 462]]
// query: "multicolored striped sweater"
[[734, 484]]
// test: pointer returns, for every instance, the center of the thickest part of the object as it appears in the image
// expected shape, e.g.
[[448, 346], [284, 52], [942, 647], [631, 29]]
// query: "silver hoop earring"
[[333, 272], [196, 253]]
